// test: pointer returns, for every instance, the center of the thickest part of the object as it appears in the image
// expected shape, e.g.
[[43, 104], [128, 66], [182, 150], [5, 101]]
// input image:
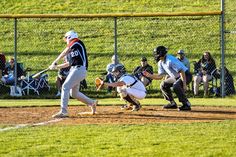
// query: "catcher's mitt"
[[99, 83]]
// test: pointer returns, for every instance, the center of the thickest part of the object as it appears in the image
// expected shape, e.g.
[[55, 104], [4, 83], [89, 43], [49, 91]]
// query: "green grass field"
[[230, 101], [179, 140], [162, 139]]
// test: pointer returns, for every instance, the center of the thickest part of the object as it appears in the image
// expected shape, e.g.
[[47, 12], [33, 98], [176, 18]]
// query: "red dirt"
[[114, 115]]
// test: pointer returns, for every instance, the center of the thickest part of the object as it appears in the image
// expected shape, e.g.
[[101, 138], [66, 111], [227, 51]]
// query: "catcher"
[[128, 87]]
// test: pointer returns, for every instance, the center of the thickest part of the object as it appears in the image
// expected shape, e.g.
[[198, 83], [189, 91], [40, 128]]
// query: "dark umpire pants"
[[177, 85]]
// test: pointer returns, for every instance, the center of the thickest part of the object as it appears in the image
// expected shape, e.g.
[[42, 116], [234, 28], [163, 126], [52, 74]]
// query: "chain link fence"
[[230, 46], [40, 40]]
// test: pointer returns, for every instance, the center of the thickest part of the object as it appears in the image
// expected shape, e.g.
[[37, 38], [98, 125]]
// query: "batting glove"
[[53, 66]]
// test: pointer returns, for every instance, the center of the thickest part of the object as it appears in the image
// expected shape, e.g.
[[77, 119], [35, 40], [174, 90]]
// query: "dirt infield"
[[114, 115]]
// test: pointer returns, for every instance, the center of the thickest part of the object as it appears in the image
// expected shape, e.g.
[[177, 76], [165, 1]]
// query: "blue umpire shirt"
[[171, 66]]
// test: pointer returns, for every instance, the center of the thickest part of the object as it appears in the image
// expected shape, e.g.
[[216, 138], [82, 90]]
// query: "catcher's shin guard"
[[131, 100]]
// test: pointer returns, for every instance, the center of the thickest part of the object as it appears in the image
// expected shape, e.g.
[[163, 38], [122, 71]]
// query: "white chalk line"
[[30, 125]]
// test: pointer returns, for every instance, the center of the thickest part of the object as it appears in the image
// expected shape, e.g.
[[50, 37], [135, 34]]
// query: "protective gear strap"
[[132, 83], [136, 80]]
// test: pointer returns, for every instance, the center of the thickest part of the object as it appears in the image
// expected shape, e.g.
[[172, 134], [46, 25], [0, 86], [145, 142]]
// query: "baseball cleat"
[[170, 106], [136, 107], [186, 107], [60, 115], [126, 107], [93, 107]]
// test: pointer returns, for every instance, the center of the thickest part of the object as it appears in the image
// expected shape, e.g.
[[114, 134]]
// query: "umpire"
[[176, 76]]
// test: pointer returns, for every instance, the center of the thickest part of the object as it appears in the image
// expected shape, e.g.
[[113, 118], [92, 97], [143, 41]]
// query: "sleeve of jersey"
[[109, 68], [160, 69], [187, 63], [149, 69], [178, 66], [127, 80], [136, 70]]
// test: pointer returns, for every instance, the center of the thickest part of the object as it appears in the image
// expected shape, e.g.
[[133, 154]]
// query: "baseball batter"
[[77, 59], [128, 86]]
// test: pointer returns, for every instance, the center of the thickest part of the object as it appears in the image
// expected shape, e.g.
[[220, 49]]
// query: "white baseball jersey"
[[132, 86]]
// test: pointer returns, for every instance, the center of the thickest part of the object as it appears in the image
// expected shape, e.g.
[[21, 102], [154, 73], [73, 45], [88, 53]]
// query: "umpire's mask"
[[159, 52]]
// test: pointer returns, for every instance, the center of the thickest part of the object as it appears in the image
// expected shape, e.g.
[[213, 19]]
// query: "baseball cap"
[[143, 59], [113, 58], [180, 52]]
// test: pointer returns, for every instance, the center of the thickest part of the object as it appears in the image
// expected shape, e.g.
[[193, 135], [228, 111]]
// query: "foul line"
[[30, 125]]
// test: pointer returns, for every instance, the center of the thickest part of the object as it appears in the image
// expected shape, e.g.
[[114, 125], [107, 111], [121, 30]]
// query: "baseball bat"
[[40, 73]]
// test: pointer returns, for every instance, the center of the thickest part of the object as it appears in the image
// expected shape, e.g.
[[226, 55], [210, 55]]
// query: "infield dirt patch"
[[114, 115]]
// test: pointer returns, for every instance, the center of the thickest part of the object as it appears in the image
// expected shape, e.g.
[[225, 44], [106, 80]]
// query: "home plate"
[[86, 113]]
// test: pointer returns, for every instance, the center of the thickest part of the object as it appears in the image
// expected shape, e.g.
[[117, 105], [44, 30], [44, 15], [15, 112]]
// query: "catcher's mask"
[[159, 52], [70, 35], [118, 70]]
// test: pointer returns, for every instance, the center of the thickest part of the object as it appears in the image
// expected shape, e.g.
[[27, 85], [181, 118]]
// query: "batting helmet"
[[159, 52], [118, 70], [71, 35], [180, 52]]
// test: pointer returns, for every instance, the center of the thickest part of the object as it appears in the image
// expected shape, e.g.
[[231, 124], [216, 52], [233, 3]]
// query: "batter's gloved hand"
[[99, 83], [53, 66]]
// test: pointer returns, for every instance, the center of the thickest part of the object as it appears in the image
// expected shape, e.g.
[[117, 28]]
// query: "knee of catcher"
[[123, 93], [119, 89]]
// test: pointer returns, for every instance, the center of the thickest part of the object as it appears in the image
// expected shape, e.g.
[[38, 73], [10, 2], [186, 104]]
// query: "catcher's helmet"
[[159, 52], [118, 70], [71, 35]]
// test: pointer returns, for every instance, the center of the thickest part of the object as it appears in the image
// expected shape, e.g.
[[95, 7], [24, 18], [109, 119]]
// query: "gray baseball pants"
[[71, 87], [177, 87]]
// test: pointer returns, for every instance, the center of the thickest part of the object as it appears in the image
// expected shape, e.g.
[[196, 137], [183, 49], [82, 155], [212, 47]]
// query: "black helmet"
[[120, 69], [159, 52]]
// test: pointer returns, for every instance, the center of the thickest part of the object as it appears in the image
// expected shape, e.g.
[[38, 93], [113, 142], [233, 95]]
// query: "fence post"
[[115, 39], [222, 48], [15, 53]]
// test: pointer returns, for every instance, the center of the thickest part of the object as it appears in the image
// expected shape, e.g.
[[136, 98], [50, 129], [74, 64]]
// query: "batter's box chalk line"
[[30, 125]]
